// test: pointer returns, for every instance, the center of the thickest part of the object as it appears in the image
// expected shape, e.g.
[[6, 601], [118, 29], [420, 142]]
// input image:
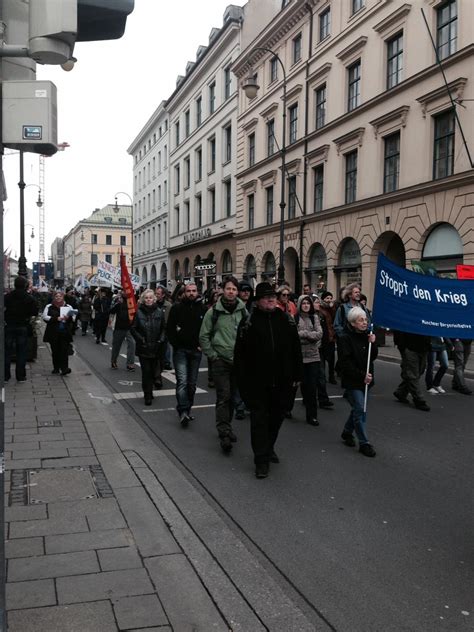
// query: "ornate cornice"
[[391, 20], [350, 139], [456, 88], [398, 116], [346, 53], [269, 110]]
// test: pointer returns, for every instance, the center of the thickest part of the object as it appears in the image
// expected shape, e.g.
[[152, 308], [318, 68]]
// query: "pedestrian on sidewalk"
[[59, 322], [102, 312], [353, 358], [217, 340], [310, 334], [122, 332], [438, 353], [148, 330], [461, 353], [85, 311], [413, 350], [20, 307], [182, 329], [268, 367], [327, 311]]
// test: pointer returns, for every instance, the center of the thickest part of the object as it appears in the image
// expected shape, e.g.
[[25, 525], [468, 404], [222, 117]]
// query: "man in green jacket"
[[217, 340]]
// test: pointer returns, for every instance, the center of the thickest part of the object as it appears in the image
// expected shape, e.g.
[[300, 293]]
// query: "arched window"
[[350, 263], [177, 274], [250, 268], [269, 267], [443, 248], [226, 263]]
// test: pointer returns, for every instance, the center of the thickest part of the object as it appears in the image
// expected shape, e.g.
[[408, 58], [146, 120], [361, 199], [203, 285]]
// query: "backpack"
[[215, 317]]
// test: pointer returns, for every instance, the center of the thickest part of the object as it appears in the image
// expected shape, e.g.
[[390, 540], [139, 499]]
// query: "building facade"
[[203, 133], [150, 151], [99, 237], [375, 160]]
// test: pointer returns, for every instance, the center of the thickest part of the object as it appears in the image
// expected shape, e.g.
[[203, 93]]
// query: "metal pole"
[[22, 270], [281, 266]]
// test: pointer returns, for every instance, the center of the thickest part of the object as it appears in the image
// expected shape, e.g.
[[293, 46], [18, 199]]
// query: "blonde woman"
[[148, 330]]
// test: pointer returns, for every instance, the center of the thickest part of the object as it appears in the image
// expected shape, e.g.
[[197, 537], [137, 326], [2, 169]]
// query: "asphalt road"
[[369, 545]]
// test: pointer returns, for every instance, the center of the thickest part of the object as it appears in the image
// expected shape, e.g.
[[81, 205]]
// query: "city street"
[[359, 544]]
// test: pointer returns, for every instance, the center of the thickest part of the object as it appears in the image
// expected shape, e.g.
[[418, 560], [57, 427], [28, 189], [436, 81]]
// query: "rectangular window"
[[227, 83], [228, 198], [94, 238], [198, 155], [187, 217], [212, 97], [187, 172], [177, 184], [357, 5], [227, 143], [273, 69], [187, 123], [443, 155], [108, 240], [212, 155], [447, 29], [251, 211], [321, 107], [324, 24], [291, 197], [391, 167], [154, 167], [123, 240], [159, 196], [394, 60], [271, 137], [293, 131], [318, 188], [108, 258], [165, 192], [251, 149], [297, 48], [353, 74], [176, 219], [199, 210], [93, 259], [212, 204], [351, 177], [164, 233], [198, 111], [165, 157], [176, 133], [269, 205]]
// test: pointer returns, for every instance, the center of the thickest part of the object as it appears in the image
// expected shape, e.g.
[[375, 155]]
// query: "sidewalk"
[[105, 533]]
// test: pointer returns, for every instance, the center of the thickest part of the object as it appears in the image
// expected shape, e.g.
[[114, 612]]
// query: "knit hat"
[[244, 286], [264, 290], [325, 295]]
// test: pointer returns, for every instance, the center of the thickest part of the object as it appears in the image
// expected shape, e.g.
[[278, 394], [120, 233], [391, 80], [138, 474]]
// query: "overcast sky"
[[102, 105]]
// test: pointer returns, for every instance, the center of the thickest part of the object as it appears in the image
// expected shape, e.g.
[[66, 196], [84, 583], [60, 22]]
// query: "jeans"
[[118, 337], [357, 418], [148, 366], [442, 358], [462, 351], [186, 365], [266, 417], [224, 379], [16, 342], [413, 366], [309, 389]]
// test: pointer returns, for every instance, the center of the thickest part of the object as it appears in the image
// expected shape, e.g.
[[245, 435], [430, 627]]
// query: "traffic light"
[[102, 19]]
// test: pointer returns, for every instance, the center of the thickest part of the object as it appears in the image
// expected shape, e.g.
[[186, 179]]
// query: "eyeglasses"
[[285, 294]]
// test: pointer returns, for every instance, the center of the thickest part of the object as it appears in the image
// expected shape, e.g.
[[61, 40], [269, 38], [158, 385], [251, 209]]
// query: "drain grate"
[[18, 488], [100, 481], [52, 423]]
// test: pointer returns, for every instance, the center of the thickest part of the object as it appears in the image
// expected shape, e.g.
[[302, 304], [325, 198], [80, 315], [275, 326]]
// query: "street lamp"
[[116, 210], [32, 236], [251, 87], [22, 269], [92, 248]]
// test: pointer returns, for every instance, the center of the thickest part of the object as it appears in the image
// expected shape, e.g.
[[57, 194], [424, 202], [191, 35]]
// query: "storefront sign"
[[205, 266], [197, 235]]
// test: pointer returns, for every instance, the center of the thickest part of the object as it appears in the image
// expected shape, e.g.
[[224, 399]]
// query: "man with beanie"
[[268, 365]]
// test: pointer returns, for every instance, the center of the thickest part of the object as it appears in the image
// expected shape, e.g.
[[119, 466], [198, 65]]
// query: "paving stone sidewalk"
[[104, 533]]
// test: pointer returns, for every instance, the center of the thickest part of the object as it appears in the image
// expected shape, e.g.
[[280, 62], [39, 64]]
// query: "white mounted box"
[[29, 116]]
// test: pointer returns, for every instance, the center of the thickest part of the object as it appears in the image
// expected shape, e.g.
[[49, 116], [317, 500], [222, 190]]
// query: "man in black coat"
[[122, 332], [20, 306], [183, 327], [102, 313], [268, 365]]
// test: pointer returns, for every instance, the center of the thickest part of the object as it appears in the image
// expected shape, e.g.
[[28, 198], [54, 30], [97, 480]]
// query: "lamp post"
[[22, 269], [251, 88], [116, 210]]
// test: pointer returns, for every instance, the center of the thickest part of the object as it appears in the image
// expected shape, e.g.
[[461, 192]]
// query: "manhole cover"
[[63, 484]]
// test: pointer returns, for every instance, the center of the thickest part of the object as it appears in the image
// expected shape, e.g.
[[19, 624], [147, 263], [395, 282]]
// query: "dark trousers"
[[59, 351], [16, 342], [323, 396], [266, 417], [328, 355], [148, 366], [462, 351], [224, 379], [413, 366], [84, 325], [160, 363], [309, 389], [100, 328]]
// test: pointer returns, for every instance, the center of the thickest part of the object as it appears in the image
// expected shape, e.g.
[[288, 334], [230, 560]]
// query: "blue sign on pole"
[[420, 304]]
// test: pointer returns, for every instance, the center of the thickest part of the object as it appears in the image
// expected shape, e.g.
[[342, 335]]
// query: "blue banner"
[[421, 304]]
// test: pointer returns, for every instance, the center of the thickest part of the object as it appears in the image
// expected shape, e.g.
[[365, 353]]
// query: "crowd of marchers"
[[260, 346]]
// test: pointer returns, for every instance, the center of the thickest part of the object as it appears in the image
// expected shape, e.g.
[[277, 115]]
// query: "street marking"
[[104, 400], [166, 392]]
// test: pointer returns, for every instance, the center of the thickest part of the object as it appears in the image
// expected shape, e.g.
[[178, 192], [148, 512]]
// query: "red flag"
[[127, 287], [465, 272]]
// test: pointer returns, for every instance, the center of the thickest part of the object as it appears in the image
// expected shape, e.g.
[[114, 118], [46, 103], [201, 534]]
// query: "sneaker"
[[113, 365], [422, 406], [312, 421], [401, 399], [130, 367], [226, 444], [184, 420], [326, 405], [274, 458], [440, 389], [433, 390], [261, 470], [348, 439], [367, 450]]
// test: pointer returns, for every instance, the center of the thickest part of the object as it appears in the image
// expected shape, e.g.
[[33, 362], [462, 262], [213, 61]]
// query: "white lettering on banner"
[[396, 286], [400, 289], [451, 297], [108, 273]]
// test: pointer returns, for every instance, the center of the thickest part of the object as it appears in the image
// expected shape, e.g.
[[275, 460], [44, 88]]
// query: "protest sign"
[[421, 304], [107, 274]]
